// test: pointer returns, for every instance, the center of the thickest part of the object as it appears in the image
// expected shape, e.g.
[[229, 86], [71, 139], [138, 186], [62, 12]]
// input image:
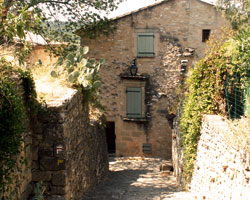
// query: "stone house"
[[165, 38]]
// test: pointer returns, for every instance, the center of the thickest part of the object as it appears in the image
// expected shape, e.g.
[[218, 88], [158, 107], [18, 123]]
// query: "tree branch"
[[35, 3], [5, 10]]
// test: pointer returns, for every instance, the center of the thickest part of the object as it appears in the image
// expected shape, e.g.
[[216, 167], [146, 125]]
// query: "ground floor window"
[[134, 102]]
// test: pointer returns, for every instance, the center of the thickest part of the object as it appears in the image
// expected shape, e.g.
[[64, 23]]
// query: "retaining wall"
[[69, 153], [222, 171]]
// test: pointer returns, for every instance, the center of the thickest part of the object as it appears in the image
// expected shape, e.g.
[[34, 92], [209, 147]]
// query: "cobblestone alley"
[[137, 179]]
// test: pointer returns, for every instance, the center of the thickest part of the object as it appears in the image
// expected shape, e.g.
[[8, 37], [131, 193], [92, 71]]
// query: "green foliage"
[[202, 90], [206, 90], [32, 106], [82, 72], [12, 117], [239, 137], [16, 21], [237, 12], [38, 192], [41, 17], [96, 28]]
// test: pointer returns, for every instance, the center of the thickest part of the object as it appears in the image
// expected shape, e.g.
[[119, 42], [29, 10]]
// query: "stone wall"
[[39, 53], [21, 176], [69, 154], [177, 26], [222, 171], [22, 172]]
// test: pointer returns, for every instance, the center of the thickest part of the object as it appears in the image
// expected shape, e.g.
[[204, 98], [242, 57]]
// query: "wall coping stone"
[[64, 100], [218, 123]]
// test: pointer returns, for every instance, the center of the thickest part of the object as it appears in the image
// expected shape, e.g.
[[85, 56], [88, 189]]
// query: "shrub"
[[206, 90]]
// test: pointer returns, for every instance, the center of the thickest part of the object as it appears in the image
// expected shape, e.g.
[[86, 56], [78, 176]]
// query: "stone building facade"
[[165, 38]]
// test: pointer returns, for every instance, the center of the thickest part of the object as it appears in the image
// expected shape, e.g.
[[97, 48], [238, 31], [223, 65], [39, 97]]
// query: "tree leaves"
[[20, 31], [237, 12], [20, 17]]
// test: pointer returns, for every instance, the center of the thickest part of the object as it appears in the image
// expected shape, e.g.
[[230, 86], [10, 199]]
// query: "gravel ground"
[[137, 179]]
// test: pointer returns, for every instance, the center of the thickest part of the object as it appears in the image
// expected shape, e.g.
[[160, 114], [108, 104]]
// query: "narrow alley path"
[[137, 179]]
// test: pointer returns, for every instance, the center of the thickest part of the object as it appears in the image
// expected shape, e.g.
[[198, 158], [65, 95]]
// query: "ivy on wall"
[[206, 89], [13, 119]]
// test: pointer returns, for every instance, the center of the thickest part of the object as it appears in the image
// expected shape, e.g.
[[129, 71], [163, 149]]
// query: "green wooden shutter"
[[134, 102], [145, 44]]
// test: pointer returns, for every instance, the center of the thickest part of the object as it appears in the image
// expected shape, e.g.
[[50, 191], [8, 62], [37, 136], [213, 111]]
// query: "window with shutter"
[[134, 102], [145, 44]]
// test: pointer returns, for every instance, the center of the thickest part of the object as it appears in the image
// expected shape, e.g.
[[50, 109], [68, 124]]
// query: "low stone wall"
[[69, 154], [20, 188], [222, 171], [23, 176]]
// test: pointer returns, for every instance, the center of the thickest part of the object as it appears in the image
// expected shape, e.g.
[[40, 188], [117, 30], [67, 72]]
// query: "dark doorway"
[[110, 136]]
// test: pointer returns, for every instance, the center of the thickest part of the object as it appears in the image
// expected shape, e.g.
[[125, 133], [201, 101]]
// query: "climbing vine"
[[12, 117], [206, 90]]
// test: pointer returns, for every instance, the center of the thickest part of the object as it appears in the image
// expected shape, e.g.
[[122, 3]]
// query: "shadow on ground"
[[135, 179]]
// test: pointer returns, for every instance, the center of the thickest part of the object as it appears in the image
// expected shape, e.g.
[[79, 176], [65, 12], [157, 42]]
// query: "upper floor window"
[[205, 34], [145, 45]]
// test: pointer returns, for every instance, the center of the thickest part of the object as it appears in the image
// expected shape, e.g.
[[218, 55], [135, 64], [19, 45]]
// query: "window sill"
[[142, 120], [136, 77], [145, 56]]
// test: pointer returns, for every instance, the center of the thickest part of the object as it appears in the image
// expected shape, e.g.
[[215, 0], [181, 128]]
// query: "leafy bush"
[[12, 117], [206, 90], [240, 137]]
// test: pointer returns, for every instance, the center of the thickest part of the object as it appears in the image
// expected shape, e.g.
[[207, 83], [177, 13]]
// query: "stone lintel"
[[136, 77]]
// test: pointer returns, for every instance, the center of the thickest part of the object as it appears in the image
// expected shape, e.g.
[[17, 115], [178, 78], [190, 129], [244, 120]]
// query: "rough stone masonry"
[[176, 27], [69, 153], [222, 171]]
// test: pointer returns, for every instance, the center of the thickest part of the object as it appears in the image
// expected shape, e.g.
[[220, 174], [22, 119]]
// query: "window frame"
[[206, 34]]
